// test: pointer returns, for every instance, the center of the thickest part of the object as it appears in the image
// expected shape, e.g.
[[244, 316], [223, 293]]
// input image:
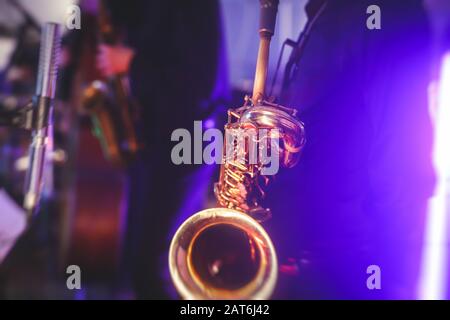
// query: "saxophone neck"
[[268, 14], [262, 63]]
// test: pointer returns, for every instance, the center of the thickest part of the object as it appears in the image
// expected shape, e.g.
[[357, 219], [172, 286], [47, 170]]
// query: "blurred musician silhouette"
[[173, 54], [360, 191]]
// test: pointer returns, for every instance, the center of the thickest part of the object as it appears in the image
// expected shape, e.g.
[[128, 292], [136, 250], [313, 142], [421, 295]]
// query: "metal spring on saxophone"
[[239, 185]]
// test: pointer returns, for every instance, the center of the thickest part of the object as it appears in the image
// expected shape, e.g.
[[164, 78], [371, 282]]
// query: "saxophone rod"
[[268, 14]]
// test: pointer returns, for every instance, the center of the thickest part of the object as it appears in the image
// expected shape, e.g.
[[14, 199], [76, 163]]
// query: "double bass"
[[106, 144]]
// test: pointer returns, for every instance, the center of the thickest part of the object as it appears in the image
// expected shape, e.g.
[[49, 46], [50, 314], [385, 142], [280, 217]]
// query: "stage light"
[[433, 280]]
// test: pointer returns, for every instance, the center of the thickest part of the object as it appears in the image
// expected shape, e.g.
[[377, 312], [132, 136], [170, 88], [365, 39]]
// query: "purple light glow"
[[433, 280]]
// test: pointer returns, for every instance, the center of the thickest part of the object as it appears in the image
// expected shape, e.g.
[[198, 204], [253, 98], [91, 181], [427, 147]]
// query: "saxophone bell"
[[222, 253]]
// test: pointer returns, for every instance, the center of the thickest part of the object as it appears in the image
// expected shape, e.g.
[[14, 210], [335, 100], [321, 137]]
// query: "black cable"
[[300, 45]]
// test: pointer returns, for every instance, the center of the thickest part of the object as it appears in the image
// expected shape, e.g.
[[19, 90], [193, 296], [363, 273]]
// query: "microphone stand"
[[37, 116]]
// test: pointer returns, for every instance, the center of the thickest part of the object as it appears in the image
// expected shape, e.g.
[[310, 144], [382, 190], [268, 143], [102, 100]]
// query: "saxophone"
[[224, 252], [110, 105]]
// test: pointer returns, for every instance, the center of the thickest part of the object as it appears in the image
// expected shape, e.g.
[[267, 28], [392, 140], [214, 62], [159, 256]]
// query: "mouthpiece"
[[268, 15]]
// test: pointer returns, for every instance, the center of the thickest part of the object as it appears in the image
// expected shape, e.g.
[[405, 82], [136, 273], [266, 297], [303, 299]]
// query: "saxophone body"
[[224, 252]]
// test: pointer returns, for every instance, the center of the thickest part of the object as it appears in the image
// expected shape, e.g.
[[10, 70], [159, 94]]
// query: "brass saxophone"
[[224, 252], [110, 105]]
